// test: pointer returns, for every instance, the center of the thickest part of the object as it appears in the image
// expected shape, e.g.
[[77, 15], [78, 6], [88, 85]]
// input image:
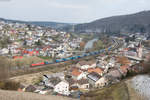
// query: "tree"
[[39, 43]]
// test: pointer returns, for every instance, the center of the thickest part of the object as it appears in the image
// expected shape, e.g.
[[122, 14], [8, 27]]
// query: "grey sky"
[[73, 11]]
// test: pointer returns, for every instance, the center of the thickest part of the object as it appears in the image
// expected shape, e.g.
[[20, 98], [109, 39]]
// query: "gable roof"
[[76, 72], [82, 63], [91, 62], [115, 73], [97, 70], [82, 81], [94, 76], [124, 69], [70, 81], [86, 62], [54, 80]]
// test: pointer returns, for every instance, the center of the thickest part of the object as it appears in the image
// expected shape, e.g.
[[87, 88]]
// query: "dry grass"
[[118, 91], [29, 78], [34, 77], [25, 61], [12, 95]]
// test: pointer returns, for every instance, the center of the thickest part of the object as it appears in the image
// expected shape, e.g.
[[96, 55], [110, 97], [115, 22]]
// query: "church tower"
[[139, 50]]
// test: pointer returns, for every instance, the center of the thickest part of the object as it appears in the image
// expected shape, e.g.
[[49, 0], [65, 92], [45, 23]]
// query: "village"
[[86, 75], [19, 40]]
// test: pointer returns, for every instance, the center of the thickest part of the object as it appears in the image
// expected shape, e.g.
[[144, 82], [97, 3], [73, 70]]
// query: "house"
[[52, 81], [83, 84], [59, 86], [103, 81], [77, 75], [62, 88], [93, 78], [97, 70], [86, 64], [70, 81], [59, 75]]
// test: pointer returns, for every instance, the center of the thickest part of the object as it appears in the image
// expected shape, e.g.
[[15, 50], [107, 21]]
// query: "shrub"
[[9, 85]]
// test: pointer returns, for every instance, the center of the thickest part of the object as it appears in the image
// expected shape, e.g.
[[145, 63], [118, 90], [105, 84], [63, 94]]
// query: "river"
[[89, 44]]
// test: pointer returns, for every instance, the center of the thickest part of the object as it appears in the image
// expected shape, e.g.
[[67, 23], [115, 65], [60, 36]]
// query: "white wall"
[[62, 88]]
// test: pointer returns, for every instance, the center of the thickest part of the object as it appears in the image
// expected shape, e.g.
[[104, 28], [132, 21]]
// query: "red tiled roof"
[[124, 69], [76, 72], [97, 70]]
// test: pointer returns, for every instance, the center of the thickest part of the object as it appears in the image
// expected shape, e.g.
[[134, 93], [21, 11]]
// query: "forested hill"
[[138, 22]]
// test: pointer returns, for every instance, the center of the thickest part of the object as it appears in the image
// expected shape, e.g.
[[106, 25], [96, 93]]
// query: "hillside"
[[56, 25], [138, 22]]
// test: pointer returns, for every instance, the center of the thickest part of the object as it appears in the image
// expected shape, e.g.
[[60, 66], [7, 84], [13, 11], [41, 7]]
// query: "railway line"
[[42, 66], [112, 47]]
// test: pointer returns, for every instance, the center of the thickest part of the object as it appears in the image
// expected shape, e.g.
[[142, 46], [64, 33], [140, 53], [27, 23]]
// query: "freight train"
[[75, 57]]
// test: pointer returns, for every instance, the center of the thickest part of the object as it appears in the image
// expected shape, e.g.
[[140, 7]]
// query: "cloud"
[[65, 5], [69, 10]]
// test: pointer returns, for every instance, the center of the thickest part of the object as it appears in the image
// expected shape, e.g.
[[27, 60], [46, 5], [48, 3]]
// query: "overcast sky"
[[72, 11]]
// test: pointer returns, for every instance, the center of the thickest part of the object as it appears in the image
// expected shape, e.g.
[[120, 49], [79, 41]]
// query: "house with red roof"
[[78, 75], [96, 70]]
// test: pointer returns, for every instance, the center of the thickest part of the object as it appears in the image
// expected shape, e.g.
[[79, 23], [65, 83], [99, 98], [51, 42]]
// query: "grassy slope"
[[115, 92], [12, 95]]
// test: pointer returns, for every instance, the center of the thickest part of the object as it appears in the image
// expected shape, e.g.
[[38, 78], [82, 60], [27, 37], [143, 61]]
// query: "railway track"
[[36, 69]]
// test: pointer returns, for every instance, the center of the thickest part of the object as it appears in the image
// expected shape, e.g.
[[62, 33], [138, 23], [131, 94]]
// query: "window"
[[87, 86]]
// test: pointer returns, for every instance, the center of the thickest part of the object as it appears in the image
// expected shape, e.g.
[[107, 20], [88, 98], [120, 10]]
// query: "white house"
[[78, 75], [62, 88], [101, 82], [82, 76]]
